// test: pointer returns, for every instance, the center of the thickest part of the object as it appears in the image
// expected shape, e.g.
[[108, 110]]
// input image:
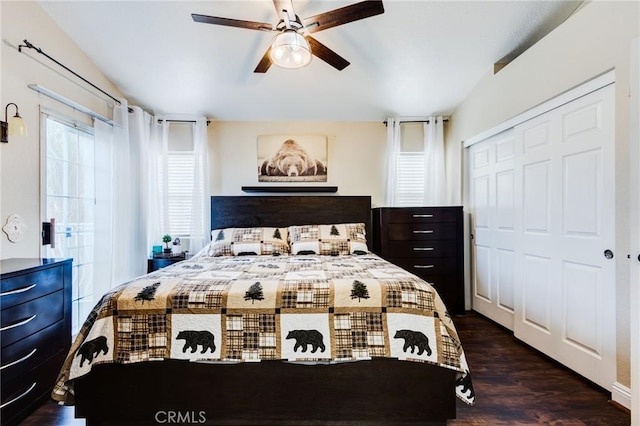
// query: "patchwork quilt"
[[311, 309]]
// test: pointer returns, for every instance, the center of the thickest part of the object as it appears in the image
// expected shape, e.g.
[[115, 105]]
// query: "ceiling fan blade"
[[265, 62], [343, 15], [205, 19], [326, 54]]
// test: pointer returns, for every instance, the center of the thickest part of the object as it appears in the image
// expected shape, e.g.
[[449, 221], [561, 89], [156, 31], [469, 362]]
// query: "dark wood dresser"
[[35, 324], [428, 242]]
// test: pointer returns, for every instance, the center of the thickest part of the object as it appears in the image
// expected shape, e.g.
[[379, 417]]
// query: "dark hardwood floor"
[[514, 385]]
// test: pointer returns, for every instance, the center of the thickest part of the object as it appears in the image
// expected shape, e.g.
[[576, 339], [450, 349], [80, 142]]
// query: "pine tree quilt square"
[[357, 293], [146, 294], [252, 294]]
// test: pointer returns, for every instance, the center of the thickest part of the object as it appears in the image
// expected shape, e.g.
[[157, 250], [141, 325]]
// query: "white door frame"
[[634, 264]]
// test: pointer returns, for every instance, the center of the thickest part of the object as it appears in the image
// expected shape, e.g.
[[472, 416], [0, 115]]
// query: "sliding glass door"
[[68, 187]]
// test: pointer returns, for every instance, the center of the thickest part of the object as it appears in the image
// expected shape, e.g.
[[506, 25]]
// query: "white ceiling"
[[419, 58]]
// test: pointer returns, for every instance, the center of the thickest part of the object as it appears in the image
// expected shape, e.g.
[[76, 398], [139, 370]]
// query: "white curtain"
[[132, 160], [157, 159], [120, 244], [104, 243], [200, 205], [129, 254], [434, 163], [140, 129], [393, 150]]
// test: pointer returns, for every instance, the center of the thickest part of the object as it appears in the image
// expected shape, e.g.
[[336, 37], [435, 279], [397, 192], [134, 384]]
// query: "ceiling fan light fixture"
[[290, 50]]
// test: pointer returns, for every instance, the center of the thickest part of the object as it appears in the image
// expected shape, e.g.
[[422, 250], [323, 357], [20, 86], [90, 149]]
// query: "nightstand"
[[35, 324], [428, 242], [162, 261]]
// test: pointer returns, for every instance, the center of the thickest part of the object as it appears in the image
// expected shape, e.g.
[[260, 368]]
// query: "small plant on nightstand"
[[166, 239]]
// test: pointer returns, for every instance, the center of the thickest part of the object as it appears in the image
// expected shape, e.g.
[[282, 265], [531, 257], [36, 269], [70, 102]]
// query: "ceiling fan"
[[292, 47]]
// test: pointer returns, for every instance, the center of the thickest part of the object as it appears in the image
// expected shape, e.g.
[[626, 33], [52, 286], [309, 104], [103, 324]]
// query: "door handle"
[[608, 254], [53, 232]]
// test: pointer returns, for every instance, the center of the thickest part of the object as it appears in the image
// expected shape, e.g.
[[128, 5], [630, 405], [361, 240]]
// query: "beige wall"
[[20, 158], [596, 39], [355, 154]]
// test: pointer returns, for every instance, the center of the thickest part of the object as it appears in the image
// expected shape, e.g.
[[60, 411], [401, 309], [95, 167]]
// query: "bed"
[[271, 325]]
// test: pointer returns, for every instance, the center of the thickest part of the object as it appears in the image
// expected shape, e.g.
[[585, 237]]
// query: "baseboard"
[[621, 394]]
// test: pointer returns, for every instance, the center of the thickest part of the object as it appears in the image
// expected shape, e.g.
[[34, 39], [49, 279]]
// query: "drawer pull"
[[19, 323], [423, 266], [430, 231], [19, 396], [422, 215], [19, 290], [18, 361], [423, 248]]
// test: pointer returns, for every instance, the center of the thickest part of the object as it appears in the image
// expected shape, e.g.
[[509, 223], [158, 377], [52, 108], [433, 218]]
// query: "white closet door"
[[565, 292], [491, 200]]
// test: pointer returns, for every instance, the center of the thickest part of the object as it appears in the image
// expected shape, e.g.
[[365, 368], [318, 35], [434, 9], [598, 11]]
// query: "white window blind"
[[181, 185], [409, 179]]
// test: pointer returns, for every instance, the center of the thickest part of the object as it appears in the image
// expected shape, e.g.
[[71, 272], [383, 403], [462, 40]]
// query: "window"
[[180, 187], [69, 198], [410, 166], [410, 179]]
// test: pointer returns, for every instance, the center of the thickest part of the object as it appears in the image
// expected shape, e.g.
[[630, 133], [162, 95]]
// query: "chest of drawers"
[[35, 331], [426, 241]]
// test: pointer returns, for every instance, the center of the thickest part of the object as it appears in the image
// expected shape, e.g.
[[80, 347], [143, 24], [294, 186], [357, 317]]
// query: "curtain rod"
[[160, 120], [416, 121], [68, 102], [40, 51]]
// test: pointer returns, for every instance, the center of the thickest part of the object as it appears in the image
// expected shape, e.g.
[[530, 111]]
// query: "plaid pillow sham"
[[245, 241], [334, 239]]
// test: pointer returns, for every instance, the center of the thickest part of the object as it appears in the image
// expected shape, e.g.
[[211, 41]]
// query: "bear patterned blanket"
[[319, 309]]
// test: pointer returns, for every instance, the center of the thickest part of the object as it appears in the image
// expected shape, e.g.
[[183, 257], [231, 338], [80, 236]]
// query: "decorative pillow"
[[244, 241], [337, 239]]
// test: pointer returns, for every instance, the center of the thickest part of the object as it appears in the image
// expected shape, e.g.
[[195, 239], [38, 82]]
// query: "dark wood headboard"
[[286, 210]]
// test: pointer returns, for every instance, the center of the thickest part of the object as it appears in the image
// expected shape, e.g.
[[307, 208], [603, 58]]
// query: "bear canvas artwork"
[[292, 158]]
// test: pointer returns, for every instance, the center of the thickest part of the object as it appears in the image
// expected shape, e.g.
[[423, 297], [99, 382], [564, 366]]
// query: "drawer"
[[21, 288], [19, 397], [27, 318], [422, 231], [422, 215], [427, 266], [433, 248], [32, 351]]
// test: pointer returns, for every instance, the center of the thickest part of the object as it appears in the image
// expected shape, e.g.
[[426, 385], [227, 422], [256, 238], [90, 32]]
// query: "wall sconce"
[[13, 127]]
